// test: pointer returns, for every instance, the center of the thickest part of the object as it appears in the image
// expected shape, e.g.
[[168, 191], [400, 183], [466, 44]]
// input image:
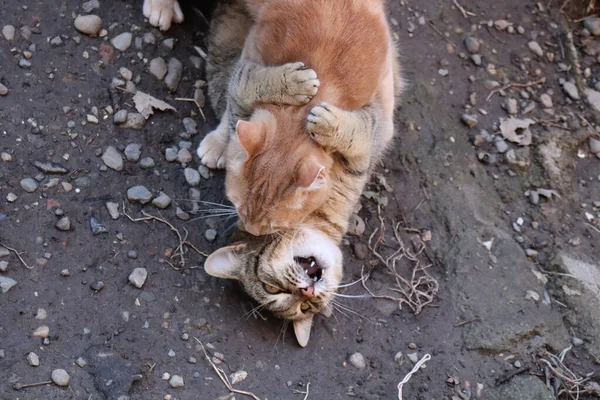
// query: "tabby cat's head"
[[293, 274], [276, 174]]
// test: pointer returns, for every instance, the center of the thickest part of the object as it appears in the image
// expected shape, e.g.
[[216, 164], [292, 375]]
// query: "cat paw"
[[212, 150], [162, 13], [300, 84], [323, 122]]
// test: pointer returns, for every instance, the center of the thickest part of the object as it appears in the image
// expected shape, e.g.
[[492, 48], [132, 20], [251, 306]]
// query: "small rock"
[[112, 158], [176, 381], [531, 253], [412, 346], [476, 58], [96, 227], [210, 234], [133, 151], [190, 126], [42, 332], [511, 106], [204, 171], [113, 209], [41, 314], [33, 359], [120, 117], [592, 25], [50, 167], [64, 224], [469, 120], [11, 197], [182, 215], [593, 98], [517, 364], [169, 43], [360, 250], [502, 24], [546, 100], [139, 194], [6, 157], [237, 377], [175, 71], [501, 146], [29, 185], [161, 201], [171, 353], [56, 41], [594, 145], [473, 44], [192, 176], [97, 286], [532, 295], [149, 38], [171, 154], [398, 357], [138, 277], [413, 357], [576, 341], [123, 41], [571, 90], [8, 31], [147, 162], [6, 283], [158, 68], [3, 90], [3, 266], [535, 48], [60, 377], [81, 362], [443, 72], [358, 361], [126, 73], [184, 156], [65, 272], [90, 5], [134, 121], [356, 225], [132, 254]]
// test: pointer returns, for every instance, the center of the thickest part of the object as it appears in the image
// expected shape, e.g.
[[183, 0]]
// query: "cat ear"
[[251, 136], [311, 174], [302, 330], [224, 263]]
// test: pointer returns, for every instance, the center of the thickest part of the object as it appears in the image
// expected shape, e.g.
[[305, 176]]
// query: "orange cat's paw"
[[212, 150], [300, 83], [323, 122], [162, 13]]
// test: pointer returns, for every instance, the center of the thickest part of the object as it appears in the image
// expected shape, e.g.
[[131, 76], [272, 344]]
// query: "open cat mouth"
[[311, 267]]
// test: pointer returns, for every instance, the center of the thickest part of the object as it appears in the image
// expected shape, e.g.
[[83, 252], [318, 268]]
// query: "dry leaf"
[[145, 104], [516, 130]]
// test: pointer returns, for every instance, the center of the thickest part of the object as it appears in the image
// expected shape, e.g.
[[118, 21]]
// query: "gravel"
[[501, 146], [50, 167], [357, 360], [112, 158], [3, 90], [133, 151], [3, 266], [6, 283], [139, 194], [8, 31], [473, 44], [176, 381], [29, 185], [594, 145], [192, 176], [469, 120], [42, 332], [90, 25], [171, 154], [60, 377], [23, 63], [64, 224], [158, 68], [123, 41], [204, 171], [511, 106], [97, 286], [120, 117], [546, 100], [184, 156], [33, 359], [147, 162], [175, 71], [592, 25], [113, 209], [138, 277], [161, 201], [210, 234], [134, 121], [535, 48], [571, 90], [190, 126], [476, 58], [90, 5]]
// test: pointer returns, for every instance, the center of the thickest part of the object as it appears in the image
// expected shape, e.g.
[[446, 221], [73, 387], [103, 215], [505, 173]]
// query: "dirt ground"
[[518, 272]]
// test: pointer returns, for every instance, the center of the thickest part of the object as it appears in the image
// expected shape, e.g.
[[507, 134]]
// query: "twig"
[[514, 84], [197, 105], [511, 374], [223, 376], [462, 323], [441, 34], [304, 393], [492, 34], [17, 253], [585, 223], [417, 366], [464, 12]]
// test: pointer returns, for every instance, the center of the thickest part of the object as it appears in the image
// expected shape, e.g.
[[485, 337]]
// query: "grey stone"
[[171, 154], [571, 90], [356, 225], [190, 125], [60, 377], [546, 100], [33, 359], [96, 227], [169, 43], [3, 90], [63, 224], [25, 64], [26, 32], [175, 71], [139, 194], [3, 266], [476, 58], [511, 106], [473, 44], [81, 362], [112, 158], [134, 121], [520, 388], [210, 234], [357, 360], [158, 68], [594, 145], [123, 41], [184, 156], [8, 31], [182, 215], [50, 167], [90, 5], [176, 381], [113, 209], [192, 176], [469, 120], [105, 365], [592, 25], [11, 197], [576, 341], [593, 98], [535, 48], [161, 201], [149, 38], [171, 353], [197, 62], [4, 252], [147, 162], [138, 277], [97, 286], [56, 41], [6, 283], [413, 357], [120, 117], [132, 254], [133, 151], [29, 185], [204, 171], [126, 73]]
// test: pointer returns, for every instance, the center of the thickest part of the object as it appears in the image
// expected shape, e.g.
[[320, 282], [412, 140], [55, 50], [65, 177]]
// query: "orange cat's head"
[[276, 174]]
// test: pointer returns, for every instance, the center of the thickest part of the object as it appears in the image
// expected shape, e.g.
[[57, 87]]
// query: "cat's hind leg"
[[162, 13]]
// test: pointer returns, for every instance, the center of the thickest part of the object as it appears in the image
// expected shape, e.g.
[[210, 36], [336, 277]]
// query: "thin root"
[[197, 105], [511, 85], [17, 253], [464, 12]]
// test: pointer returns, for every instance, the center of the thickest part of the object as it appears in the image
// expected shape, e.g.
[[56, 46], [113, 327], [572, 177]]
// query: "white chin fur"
[[315, 244]]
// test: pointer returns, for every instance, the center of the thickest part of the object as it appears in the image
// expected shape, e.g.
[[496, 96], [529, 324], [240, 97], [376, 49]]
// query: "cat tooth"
[[312, 263]]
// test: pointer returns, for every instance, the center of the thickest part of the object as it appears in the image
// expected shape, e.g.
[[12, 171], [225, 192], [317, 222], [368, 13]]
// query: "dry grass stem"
[[441, 34], [571, 384], [17, 253], [514, 84], [464, 12], [197, 105]]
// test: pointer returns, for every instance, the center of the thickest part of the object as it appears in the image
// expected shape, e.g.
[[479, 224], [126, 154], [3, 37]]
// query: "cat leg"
[[212, 149], [162, 12]]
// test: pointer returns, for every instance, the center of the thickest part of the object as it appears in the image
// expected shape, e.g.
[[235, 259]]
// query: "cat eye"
[[271, 289]]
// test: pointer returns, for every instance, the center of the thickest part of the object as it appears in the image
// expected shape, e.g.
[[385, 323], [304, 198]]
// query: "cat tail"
[[229, 28]]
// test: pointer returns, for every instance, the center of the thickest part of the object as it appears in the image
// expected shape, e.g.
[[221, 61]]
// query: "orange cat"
[[278, 173]]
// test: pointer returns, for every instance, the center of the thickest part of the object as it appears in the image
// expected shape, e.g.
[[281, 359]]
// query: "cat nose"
[[308, 292]]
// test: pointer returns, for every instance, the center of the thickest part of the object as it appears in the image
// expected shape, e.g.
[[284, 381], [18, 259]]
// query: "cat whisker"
[[281, 334], [350, 310], [341, 311], [230, 227], [208, 202], [255, 311], [348, 284], [210, 216], [349, 296]]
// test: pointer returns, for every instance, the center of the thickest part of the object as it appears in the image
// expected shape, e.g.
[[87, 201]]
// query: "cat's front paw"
[[323, 123], [212, 150], [162, 13], [300, 84]]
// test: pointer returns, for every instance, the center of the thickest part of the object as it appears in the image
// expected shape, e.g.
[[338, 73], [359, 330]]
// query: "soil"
[[494, 307]]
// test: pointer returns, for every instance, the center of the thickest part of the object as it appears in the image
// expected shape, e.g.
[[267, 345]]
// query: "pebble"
[[469, 120], [33, 359], [357, 360], [41, 314], [412, 346], [113, 209], [81, 362], [139, 194], [138, 277], [11, 197], [535, 48], [190, 125], [476, 58], [158, 68], [204, 171], [64, 224], [112, 158], [210, 234], [501, 146], [443, 72], [147, 162], [134, 121], [184, 156], [149, 38], [6, 157], [90, 5], [546, 100], [169, 43], [60, 377], [571, 90], [6, 283], [42, 332], [398, 357], [576, 341], [171, 154], [413, 357], [473, 44], [97, 286], [120, 117], [29, 185], [96, 227], [237, 377], [192, 176], [126, 73], [531, 253], [123, 41], [176, 381], [67, 187], [23, 63], [133, 151], [50, 167], [182, 215], [517, 364], [3, 266], [161, 201], [55, 42], [3, 90], [594, 145], [171, 353], [511, 106], [8, 31], [356, 225], [592, 25], [65, 272], [175, 70], [132, 254]]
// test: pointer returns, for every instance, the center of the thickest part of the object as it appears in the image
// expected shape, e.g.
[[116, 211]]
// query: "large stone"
[[123, 41], [91, 25], [524, 387], [60, 377]]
